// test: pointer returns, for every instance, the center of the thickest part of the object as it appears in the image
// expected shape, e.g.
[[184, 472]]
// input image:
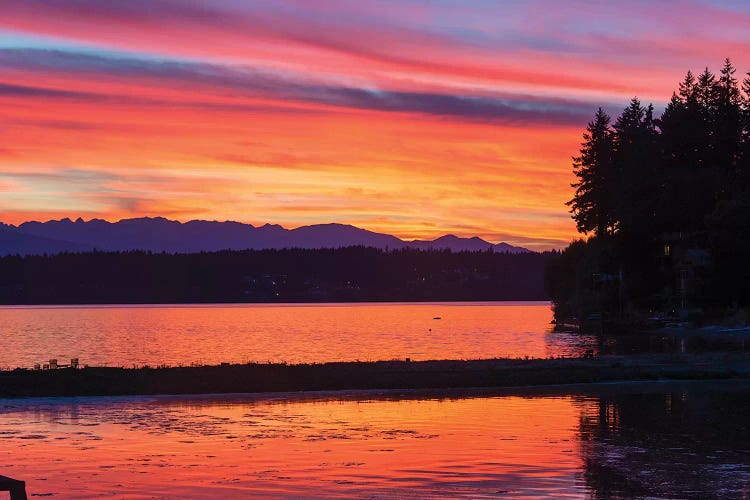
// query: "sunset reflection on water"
[[294, 333], [657, 439], [182, 447]]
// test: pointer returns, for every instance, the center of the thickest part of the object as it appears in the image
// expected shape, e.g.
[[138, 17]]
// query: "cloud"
[[255, 83], [414, 117], [576, 45], [11, 90]]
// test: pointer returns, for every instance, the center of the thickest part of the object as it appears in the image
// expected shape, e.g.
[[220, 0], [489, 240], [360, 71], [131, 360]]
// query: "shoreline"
[[709, 332], [83, 305], [380, 375], [554, 390]]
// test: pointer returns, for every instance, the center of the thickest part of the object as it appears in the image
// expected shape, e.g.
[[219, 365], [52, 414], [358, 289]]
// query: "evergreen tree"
[[702, 120], [687, 88], [745, 107], [635, 153], [592, 206], [727, 129], [705, 91], [646, 185], [634, 157], [743, 169], [681, 126], [671, 139], [687, 143]]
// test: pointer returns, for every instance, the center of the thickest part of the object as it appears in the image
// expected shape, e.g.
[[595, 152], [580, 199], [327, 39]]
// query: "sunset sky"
[[416, 118]]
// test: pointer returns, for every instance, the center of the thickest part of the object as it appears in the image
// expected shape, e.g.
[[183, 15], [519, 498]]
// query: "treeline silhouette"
[[665, 203], [292, 275]]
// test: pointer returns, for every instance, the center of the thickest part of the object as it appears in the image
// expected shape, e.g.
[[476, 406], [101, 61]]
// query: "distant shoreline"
[[384, 375], [350, 274], [281, 304]]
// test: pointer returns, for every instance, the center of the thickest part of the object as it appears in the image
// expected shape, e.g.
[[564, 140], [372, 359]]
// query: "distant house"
[[686, 263]]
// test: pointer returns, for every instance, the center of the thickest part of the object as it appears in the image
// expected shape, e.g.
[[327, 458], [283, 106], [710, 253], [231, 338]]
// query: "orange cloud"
[[417, 120]]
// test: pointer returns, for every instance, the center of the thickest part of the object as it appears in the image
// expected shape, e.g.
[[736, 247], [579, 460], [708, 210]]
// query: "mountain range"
[[158, 234]]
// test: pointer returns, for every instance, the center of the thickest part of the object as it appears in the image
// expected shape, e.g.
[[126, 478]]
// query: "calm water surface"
[[153, 335], [657, 440]]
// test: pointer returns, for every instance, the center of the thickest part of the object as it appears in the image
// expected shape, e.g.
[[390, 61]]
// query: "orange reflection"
[[177, 447], [311, 333]]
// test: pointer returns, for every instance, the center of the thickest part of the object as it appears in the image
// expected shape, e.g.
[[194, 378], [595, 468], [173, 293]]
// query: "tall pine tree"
[[592, 206], [635, 154]]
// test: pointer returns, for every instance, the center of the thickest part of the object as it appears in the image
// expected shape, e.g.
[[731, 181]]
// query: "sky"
[[416, 118]]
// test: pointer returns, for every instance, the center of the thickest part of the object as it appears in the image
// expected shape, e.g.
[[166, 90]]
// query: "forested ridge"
[[664, 204], [291, 275]]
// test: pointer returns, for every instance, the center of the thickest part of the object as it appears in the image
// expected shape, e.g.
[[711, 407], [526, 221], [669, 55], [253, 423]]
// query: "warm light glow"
[[241, 333], [286, 447], [418, 119]]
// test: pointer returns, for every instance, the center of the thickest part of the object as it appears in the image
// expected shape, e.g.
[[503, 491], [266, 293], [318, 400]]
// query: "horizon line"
[[532, 241]]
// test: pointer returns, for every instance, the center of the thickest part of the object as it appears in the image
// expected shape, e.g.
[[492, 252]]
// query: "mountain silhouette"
[[14, 242], [458, 244], [158, 234]]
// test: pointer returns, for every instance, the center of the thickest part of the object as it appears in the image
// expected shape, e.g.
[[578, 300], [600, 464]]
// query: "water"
[[305, 333], [211, 334], [665, 440]]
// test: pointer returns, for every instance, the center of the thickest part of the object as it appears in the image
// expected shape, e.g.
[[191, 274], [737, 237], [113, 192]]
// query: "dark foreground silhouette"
[[157, 234], [353, 274], [226, 378], [16, 488], [665, 202]]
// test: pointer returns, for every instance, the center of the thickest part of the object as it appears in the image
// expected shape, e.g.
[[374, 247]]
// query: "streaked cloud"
[[249, 82], [413, 117]]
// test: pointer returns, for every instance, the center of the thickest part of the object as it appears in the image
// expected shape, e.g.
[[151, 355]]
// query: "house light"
[[667, 250]]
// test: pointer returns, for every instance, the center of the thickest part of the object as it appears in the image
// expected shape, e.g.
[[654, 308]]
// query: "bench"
[[16, 488]]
